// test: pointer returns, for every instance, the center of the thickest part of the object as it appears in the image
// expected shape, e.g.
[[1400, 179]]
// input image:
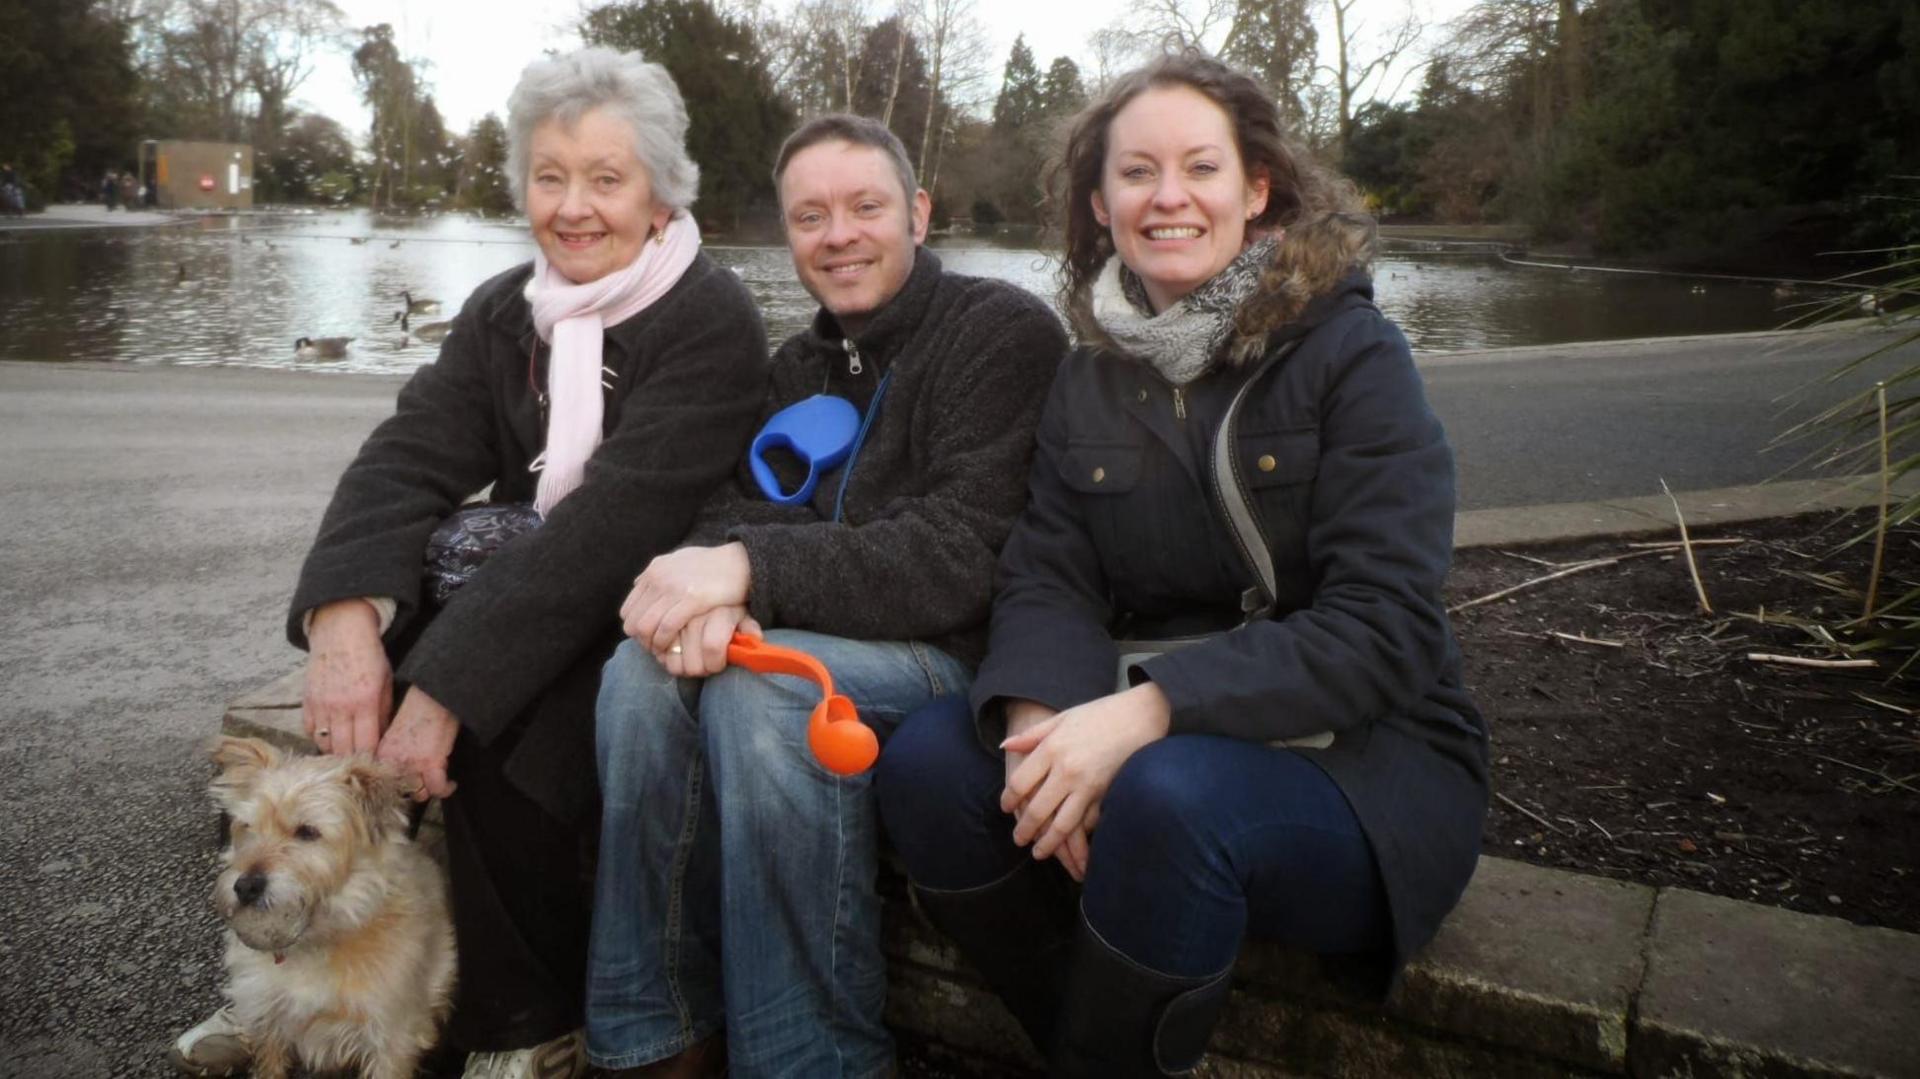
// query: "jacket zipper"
[[1179, 403], [853, 357]]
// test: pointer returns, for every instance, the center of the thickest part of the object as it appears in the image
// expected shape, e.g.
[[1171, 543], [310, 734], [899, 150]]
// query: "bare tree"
[[217, 68], [1532, 48], [957, 49], [1351, 76]]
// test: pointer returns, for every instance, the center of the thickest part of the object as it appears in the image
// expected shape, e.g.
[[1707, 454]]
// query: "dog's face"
[[300, 827]]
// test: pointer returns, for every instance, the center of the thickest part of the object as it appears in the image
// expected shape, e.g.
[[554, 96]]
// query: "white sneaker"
[[217, 1047], [564, 1057]]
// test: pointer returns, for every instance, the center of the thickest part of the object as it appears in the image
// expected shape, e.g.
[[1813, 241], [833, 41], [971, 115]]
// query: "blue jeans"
[[736, 876], [1202, 840]]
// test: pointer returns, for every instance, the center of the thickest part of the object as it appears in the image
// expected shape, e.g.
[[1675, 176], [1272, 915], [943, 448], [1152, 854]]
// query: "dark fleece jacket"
[[685, 378], [937, 483]]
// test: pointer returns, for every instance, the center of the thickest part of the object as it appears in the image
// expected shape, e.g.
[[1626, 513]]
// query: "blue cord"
[[873, 409]]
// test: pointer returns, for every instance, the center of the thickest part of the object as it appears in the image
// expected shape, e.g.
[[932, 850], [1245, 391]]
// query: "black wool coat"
[[936, 485], [517, 652], [1353, 479]]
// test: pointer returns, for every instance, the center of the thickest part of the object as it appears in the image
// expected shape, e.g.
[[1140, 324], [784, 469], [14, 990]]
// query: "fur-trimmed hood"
[[1316, 258]]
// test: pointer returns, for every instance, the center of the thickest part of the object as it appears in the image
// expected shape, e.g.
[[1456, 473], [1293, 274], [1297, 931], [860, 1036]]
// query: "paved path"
[[154, 521], [84, 215], [1576, 423]]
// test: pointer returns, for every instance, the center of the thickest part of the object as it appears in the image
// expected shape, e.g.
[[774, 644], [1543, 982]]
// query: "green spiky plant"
[[1875, 432]]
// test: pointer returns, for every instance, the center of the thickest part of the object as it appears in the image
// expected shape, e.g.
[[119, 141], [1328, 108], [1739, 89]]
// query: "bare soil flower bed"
[[1659, 751]]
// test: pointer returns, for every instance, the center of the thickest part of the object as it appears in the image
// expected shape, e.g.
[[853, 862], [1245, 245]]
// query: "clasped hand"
[[686, 605], [1067, 761], [348, 702]]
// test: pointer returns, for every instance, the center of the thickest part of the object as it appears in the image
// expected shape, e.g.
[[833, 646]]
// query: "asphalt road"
[[1584, 423], [154, 519]]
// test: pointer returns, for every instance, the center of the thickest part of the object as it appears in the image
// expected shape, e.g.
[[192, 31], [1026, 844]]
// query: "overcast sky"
[[476, 48]]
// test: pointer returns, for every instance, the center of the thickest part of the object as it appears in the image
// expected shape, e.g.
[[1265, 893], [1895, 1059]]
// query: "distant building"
[[198, 175]]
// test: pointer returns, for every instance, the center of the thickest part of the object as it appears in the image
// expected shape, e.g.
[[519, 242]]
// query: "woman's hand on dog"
[[1071, 760], [680, 586], [418, 744], [349, 692]]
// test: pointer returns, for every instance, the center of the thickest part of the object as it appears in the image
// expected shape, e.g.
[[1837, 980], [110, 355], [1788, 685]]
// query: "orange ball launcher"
[[843, 744]]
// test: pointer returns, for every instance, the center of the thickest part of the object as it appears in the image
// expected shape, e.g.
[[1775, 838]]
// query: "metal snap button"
[[1267, 463], [1141, 396], [1099, 475]]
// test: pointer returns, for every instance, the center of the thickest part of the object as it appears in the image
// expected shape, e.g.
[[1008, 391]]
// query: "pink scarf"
[[573, 319]]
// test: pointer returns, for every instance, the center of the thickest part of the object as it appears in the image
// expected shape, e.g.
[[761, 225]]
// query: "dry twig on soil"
[[1552, 827], [1578, 639], [1577, 567], [1686, 545], [1803, 661]]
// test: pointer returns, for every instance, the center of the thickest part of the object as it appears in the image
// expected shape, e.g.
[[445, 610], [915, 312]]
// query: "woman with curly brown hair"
[[1222, 693]]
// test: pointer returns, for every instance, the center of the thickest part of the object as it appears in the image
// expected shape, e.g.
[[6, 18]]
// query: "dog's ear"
[[241, 761], [377, 790]]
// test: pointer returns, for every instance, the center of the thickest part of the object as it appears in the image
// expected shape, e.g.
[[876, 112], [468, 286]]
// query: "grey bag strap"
[[1230, 487]]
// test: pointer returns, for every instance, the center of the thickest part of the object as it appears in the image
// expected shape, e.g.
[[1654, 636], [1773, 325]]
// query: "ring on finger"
[[674, 649]]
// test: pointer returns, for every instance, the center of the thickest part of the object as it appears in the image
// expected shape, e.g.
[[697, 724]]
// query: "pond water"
[[239, 290]]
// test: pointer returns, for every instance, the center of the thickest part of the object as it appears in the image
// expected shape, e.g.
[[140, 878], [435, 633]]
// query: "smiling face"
[[850, 227], [589, 199], [1173, 191]]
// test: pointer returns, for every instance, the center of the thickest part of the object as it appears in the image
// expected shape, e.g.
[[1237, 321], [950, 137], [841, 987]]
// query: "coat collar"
[[894, 324]]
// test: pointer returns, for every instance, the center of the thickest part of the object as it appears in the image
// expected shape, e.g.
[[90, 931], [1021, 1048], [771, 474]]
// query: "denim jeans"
[[736, 874], [1201, 840]]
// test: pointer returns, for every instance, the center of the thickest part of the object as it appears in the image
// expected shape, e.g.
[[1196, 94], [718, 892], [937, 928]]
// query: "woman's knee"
[[1163, 782], [927, 769], [939, 796]]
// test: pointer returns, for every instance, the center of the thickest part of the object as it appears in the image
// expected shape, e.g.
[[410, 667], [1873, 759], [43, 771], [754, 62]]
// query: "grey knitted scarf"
[[1183, 342]]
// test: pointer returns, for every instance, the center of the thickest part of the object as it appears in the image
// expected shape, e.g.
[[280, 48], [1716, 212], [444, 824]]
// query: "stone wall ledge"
[[1538, 972]]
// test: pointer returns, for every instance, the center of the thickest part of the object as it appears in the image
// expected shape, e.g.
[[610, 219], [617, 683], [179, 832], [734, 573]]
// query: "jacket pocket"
[[1279, 467], [1273, 458], [1101, 468], [1105, 480]]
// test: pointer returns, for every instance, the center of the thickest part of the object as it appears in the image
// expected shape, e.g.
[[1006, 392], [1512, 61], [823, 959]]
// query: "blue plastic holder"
[[820, 431]]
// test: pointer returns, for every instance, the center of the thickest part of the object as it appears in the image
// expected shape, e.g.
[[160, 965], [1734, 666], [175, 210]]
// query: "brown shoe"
[[704, 1059]]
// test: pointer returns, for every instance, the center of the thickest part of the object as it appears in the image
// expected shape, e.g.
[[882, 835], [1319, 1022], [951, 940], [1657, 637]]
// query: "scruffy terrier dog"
[[340, 951]]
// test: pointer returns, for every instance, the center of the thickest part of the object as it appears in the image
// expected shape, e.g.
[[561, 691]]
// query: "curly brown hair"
[[1324, 233]]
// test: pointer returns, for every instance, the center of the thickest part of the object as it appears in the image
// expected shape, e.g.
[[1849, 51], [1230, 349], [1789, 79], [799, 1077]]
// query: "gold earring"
[[660, 237]]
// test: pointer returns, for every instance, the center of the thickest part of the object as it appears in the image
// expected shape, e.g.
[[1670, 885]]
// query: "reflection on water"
[[241, 290]]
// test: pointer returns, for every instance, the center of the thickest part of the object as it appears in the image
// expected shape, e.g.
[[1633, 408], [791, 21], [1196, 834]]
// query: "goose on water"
[[420, 306], [321, 348], [427, 331]]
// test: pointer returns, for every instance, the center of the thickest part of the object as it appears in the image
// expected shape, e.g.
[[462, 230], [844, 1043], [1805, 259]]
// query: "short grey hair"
[[565, 88]]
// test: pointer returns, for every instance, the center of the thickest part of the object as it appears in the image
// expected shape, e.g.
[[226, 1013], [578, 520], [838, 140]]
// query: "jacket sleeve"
[[544, 600], [1380, 538], [437, 448], [1049, 640], [922, 566]]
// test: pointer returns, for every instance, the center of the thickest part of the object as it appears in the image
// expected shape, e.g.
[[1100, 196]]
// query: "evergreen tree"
[[1276, 42], [736, 118], [1020, 90], [483, 168], [1061, 92], [68, 110]]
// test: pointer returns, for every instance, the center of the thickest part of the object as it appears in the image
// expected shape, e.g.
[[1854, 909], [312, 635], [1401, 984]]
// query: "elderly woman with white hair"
[[601, 392]]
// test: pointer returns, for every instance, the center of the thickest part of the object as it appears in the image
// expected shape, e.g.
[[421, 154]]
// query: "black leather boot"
[[1018, 933], [1121, 1020]]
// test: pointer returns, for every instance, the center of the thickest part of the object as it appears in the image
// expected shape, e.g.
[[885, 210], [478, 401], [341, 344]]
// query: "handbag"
[[1257, 602], [466, 539]]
